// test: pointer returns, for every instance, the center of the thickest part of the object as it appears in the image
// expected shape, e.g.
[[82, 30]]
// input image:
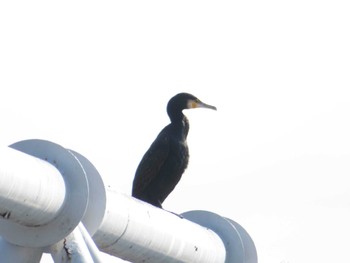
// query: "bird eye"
[[194, 103]]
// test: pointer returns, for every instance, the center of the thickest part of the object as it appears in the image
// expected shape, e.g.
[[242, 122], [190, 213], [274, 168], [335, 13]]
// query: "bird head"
[[184, 101]]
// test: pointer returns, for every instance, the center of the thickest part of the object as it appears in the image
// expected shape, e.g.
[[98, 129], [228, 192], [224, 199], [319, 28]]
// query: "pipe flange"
[[75, 203], [239, 246], [96, 208]]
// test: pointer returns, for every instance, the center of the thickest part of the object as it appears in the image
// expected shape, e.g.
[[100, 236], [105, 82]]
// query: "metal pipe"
[[10, 253], [43, 193], [71, 249], [94, 252], [32, 191], [42, 202], [138, 232]]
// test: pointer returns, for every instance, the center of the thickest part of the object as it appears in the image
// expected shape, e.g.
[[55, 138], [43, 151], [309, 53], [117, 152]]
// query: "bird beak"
[[199, 104]]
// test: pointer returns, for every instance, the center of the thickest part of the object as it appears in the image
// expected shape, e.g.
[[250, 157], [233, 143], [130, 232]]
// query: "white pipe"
[[72, 249], [32, 191], [94, 252], [41, 205], [10, 253], [138, 232], [43, 193]]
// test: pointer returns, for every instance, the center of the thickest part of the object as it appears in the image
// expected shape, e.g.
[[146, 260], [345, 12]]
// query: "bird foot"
[[175, 214]]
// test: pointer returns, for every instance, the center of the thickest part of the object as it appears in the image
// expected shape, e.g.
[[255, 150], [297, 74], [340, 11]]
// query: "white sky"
[[95, 77]]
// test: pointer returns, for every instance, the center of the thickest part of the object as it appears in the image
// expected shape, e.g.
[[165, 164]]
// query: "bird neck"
[[176, 117], [181, 125]]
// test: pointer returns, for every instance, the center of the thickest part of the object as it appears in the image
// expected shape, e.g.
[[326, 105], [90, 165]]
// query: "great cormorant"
[[165, 161]]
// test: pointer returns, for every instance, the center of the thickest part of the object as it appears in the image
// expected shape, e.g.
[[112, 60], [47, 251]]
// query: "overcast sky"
[[95, 77]]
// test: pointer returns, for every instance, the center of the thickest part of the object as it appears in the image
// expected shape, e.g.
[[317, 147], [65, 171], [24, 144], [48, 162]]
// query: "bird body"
[[162, 166]]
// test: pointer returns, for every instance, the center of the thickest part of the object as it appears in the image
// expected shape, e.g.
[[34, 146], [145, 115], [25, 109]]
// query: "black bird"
[[165, 161]]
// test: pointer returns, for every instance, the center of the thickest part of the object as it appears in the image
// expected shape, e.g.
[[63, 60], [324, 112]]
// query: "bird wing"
[[151, 164]]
